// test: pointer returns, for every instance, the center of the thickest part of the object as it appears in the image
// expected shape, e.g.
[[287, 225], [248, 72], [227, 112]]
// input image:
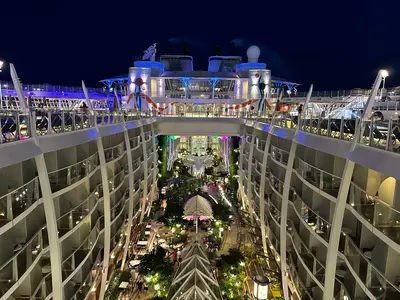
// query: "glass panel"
[[16, 202]]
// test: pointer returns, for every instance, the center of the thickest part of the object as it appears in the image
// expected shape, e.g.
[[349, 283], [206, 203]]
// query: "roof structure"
[[194, 280], [198, 206]]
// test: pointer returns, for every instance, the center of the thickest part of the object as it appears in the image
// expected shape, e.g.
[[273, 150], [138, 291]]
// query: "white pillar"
[[241, 190], [52, 230], [284, 209], [131, 187], [107, 216], [145, 172], [262, 184], [285, 200], [249, 176], [154, 181]]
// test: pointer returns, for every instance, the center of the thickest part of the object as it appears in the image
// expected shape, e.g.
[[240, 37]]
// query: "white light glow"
[[384, 73]]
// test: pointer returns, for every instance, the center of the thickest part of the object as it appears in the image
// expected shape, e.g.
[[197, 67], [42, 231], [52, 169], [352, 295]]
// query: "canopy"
[[194, 278], [198, 206]]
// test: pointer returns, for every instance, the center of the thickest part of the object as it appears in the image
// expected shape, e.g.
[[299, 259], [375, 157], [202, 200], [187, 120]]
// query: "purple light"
[[224, 138]]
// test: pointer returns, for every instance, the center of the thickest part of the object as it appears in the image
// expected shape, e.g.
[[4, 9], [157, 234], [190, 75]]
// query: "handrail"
[[75, 164], [314, 167], [23, 248], [18, 188]]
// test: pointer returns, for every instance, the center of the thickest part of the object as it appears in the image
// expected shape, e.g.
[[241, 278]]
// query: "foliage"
[[222, 213], [173, 214], [157, 270], [209, 171], [113, 289], [163, 157], [178, 238], [233, 274], [180, 169], [217, 160]]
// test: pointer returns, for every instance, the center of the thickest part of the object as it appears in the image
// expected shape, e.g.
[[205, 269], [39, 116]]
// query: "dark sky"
[[333, 44]]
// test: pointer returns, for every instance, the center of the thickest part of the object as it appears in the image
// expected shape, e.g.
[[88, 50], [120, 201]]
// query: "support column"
[[262, 184], [249, 176], [145, 172], [107, 216], [106, 197], [52, 230], [285, 200], [130, 206], [241, 190], [154, 182]]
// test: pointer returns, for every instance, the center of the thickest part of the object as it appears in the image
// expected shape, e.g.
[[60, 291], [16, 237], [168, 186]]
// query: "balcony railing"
[[72, 218], [114, 152], [381, 215], [276, 183], [279, 155], [371, 277], [312, 218], [322, 180], [12, 270], [17, 201], [64, 177], [260, 144]]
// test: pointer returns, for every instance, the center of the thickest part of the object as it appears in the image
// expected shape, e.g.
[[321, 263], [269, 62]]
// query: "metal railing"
[[17, 201], [279, 155], [322, 180], [6, 85]]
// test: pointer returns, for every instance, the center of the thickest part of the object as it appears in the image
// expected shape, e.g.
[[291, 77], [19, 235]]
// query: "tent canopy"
[[198, 206], [194, 279]]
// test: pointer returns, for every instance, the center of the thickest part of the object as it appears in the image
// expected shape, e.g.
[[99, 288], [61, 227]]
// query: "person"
[[84, 106], [300, 109], [139, 285]]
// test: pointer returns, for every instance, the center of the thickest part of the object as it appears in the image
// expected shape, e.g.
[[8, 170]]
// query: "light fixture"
[[384, 73], [1, 65]]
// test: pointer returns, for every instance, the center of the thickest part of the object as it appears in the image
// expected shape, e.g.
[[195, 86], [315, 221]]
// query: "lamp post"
[[260, 290]]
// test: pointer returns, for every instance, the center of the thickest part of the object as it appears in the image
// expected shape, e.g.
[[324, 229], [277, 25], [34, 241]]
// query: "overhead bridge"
[[199, 126]]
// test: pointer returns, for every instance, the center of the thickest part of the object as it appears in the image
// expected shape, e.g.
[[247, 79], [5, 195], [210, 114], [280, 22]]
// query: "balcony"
[[322, 180], [64, 177], [381, 215], [16, 202], [114, 152], [13, 270], [279, 155], [275, 182], [370, 276]]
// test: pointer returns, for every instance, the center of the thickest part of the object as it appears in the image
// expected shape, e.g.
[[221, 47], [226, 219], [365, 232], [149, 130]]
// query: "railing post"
[[371, 133], [342, 128], [49, 122], [329, 127], [319, 125], [389, 136], [62, 121]]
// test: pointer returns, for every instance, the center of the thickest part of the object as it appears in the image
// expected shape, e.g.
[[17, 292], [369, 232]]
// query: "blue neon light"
[[251, 66]]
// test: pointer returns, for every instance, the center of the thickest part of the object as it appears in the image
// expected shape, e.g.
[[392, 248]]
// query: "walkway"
[[231, 239]]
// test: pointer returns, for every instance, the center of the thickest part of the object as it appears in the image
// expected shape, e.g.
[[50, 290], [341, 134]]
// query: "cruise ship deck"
[[79, 174]]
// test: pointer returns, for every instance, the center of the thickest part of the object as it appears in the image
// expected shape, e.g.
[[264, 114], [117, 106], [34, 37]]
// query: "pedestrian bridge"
[[197, 126]]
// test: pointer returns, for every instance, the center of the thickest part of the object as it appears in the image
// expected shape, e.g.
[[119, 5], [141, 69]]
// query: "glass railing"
[[136, 163], [300, 287], [12, 270], [135, 142], [44, 288], [118, 207], [69, 220], [313, 220], [372, 278], [260, 144], [276, 184], [114, 182], [381, 215], [309, 259], [86, 285], [322, 180], [279, 155], [275, 213], [64, 177], [17, 201], [114, 152], [80, 253], [258, 166]]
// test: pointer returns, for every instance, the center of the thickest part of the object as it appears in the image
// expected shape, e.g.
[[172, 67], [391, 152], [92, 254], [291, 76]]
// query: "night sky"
[[332, 44]]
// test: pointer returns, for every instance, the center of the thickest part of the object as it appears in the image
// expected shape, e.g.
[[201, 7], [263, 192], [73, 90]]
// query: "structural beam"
[[285, 201], [145, 172]]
